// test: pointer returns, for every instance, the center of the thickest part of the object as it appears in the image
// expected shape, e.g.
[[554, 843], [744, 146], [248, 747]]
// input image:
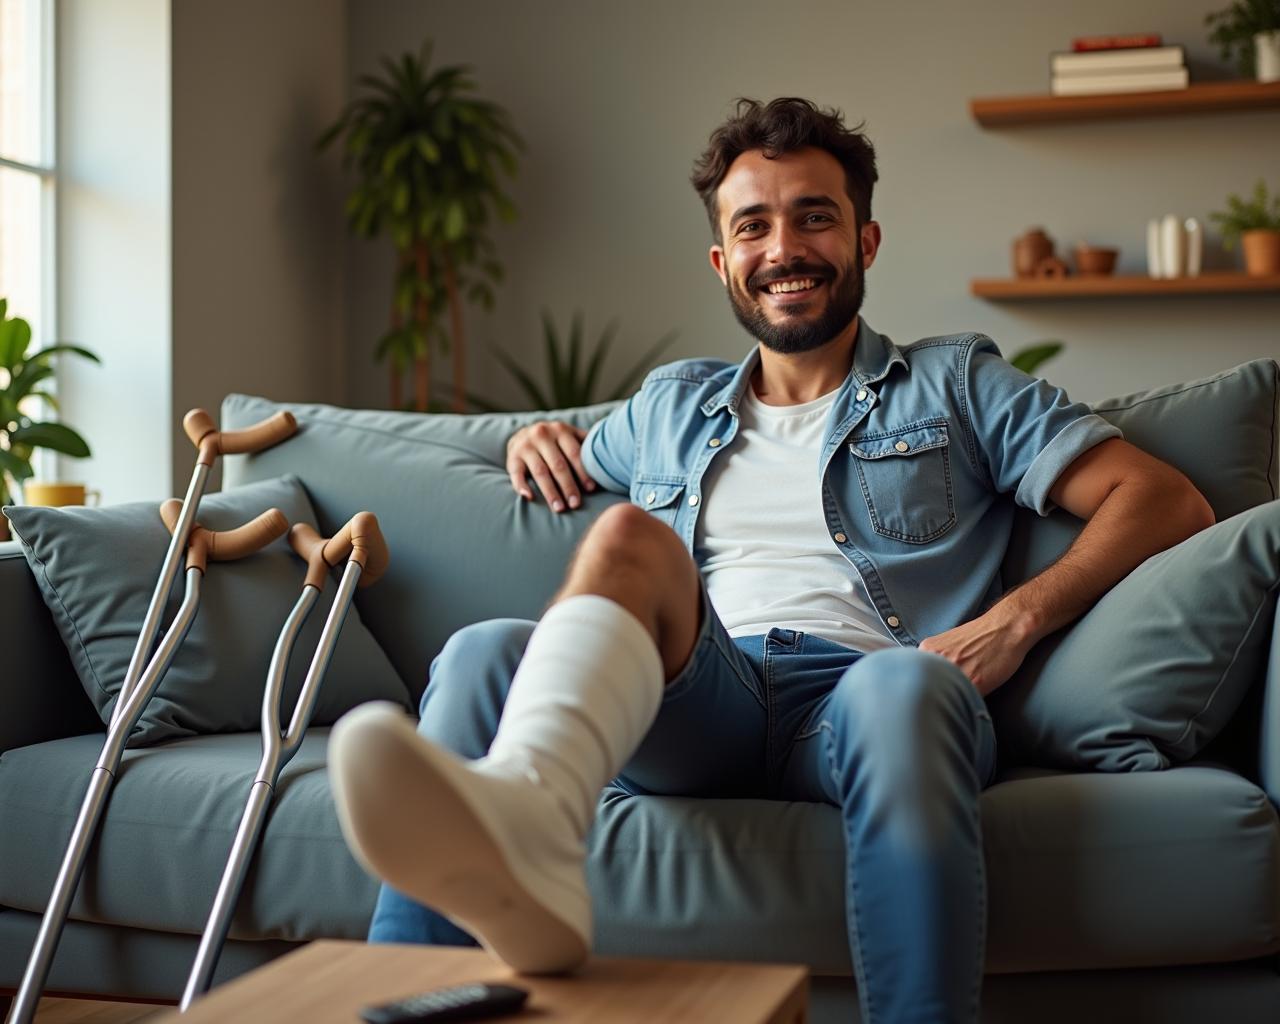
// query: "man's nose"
[[786, 246]]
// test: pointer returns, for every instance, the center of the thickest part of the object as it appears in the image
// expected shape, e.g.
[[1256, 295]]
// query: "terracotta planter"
[[1261, 252]]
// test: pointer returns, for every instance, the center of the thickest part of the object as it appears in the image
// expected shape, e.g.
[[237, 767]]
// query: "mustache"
[[766, 278]]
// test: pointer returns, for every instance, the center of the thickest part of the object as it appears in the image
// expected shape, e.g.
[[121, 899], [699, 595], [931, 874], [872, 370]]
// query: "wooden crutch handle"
[[360, 539], [212, 442], [226, 545]]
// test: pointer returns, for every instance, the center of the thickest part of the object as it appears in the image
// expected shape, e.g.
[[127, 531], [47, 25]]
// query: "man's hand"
[[550, 452], [987, 649]]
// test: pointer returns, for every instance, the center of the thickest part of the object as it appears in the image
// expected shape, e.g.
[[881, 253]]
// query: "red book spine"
[[1086, 44]]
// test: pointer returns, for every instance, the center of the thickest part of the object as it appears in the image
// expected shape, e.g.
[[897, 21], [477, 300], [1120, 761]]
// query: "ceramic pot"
[[1266, 56], [1096, 261], [1261, 252], [1030, 249], [4, 528], [53, 495]]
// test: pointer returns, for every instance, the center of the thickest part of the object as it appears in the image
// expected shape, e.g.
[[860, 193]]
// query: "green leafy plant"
[[573, 367], [1257, 213], [1232, 30], [1029, 359], [21, 374], [430, 159]]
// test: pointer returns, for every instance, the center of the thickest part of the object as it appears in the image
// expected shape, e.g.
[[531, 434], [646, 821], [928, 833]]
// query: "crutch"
[[204, 545], [360, 542], [210, 443]]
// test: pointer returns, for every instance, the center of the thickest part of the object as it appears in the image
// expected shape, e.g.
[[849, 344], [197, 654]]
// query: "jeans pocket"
[[905, 475]]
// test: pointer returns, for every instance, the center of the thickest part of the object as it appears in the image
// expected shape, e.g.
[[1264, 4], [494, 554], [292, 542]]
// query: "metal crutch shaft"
[[210, 442], [267, 527], [362, 540]]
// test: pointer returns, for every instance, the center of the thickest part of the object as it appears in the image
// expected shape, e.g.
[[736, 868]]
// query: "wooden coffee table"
[[328, 981]]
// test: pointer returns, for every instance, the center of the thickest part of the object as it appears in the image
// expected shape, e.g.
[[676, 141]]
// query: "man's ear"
[[717, 263], [869, 239]]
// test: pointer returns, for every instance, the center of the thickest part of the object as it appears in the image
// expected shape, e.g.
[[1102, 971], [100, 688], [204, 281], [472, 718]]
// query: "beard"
[[799, 331]]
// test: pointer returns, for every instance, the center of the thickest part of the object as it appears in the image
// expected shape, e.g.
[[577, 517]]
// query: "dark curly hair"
[[783, 126]]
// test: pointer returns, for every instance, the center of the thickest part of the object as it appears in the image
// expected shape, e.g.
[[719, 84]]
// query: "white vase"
[[1266, 52], [1173, 249], [1193, 236], [1154, 269]]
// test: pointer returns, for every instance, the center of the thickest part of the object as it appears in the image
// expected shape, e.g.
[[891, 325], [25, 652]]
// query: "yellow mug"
[[57, 495]]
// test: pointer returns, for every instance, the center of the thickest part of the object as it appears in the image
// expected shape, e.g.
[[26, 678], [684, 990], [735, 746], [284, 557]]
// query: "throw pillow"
[[1159, 665], [96, 568]]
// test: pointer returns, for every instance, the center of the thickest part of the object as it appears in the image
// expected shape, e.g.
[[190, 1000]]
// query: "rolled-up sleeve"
[[608, 452], [1025, 431]]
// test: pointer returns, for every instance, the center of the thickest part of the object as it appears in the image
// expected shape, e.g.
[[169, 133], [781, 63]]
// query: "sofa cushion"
[[465, 546], [1159, 665], [1144, 869], [96, 568]]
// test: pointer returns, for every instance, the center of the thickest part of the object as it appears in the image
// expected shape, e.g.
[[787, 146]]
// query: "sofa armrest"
[[40, 694]]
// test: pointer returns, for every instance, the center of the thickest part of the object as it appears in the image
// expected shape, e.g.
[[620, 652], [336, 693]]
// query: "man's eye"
[[751, 225], [817, 216]]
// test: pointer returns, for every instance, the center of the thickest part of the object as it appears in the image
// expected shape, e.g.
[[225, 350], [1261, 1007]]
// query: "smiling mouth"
[[793, 286]]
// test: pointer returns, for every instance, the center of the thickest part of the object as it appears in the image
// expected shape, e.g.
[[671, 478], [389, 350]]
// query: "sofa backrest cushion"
[[1219, 431], [464, 546], [97, 568]]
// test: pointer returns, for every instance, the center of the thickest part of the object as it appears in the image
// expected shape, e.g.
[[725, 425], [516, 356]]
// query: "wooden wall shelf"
[[1132, 285], [1198, 98]]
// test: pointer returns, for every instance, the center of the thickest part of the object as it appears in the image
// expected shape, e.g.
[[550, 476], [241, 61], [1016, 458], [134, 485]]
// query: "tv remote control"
[[460, 1002]]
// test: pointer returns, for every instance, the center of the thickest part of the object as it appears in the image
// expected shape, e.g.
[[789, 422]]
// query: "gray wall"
[[616, 99], [257, 212]]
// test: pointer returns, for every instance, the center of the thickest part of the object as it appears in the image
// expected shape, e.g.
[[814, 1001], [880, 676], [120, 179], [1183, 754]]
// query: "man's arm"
[[1135, 506]]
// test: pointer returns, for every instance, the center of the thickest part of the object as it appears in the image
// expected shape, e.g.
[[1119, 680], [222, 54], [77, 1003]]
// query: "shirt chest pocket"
[[905, 477], [659, 496]]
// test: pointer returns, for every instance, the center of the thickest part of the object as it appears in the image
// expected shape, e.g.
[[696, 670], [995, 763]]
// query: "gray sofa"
[[1145, 896]]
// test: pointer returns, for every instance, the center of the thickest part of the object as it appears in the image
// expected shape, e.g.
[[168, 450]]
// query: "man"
[[802, 602]]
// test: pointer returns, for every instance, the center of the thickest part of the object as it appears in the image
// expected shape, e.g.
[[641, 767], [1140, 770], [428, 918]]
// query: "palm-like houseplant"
[[21, 375], [573, 368], [431, 158]]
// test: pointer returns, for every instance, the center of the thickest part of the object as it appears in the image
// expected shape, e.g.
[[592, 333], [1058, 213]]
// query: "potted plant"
[[21, 374], [1248, 32], [430, 158], [1256, 223], [573, 368]]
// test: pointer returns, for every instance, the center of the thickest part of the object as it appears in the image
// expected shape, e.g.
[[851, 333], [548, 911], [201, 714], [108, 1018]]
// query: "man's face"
[[793, 254]]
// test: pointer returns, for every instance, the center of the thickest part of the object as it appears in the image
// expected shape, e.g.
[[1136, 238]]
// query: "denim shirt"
[[922, 449]]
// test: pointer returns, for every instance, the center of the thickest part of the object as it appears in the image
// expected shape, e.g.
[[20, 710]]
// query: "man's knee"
[[627, 535], [903, 684]]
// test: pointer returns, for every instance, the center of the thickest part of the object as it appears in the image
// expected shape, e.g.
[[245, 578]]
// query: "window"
[[27, 178]]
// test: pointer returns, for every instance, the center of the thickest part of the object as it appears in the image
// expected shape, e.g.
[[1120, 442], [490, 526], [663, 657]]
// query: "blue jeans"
[[898, 740]]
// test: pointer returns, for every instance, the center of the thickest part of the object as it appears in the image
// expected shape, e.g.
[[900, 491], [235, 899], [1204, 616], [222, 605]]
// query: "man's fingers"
[[572, 448], [519, 482], [546, 482], [562, 471]]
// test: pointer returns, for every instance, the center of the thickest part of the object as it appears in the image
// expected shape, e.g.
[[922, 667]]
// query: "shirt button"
[[840, 538], [893, 621], [862, 394], [651, 497], [902, 446], [714, 442], [693, 500]]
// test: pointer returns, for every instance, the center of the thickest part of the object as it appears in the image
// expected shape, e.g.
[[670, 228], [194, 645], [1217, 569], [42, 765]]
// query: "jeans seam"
[[851, 901]]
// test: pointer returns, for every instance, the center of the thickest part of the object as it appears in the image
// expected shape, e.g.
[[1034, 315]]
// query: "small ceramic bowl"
[[1095, 260]]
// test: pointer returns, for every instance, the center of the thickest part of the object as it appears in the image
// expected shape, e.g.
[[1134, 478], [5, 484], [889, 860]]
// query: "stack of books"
[[1108, 64]]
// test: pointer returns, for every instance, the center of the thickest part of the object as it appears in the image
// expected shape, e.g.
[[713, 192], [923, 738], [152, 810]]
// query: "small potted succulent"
[[21, 376], [1248, 34], [1256, 223]]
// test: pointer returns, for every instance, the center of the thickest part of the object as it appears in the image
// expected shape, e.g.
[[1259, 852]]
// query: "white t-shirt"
[[766, 555]]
